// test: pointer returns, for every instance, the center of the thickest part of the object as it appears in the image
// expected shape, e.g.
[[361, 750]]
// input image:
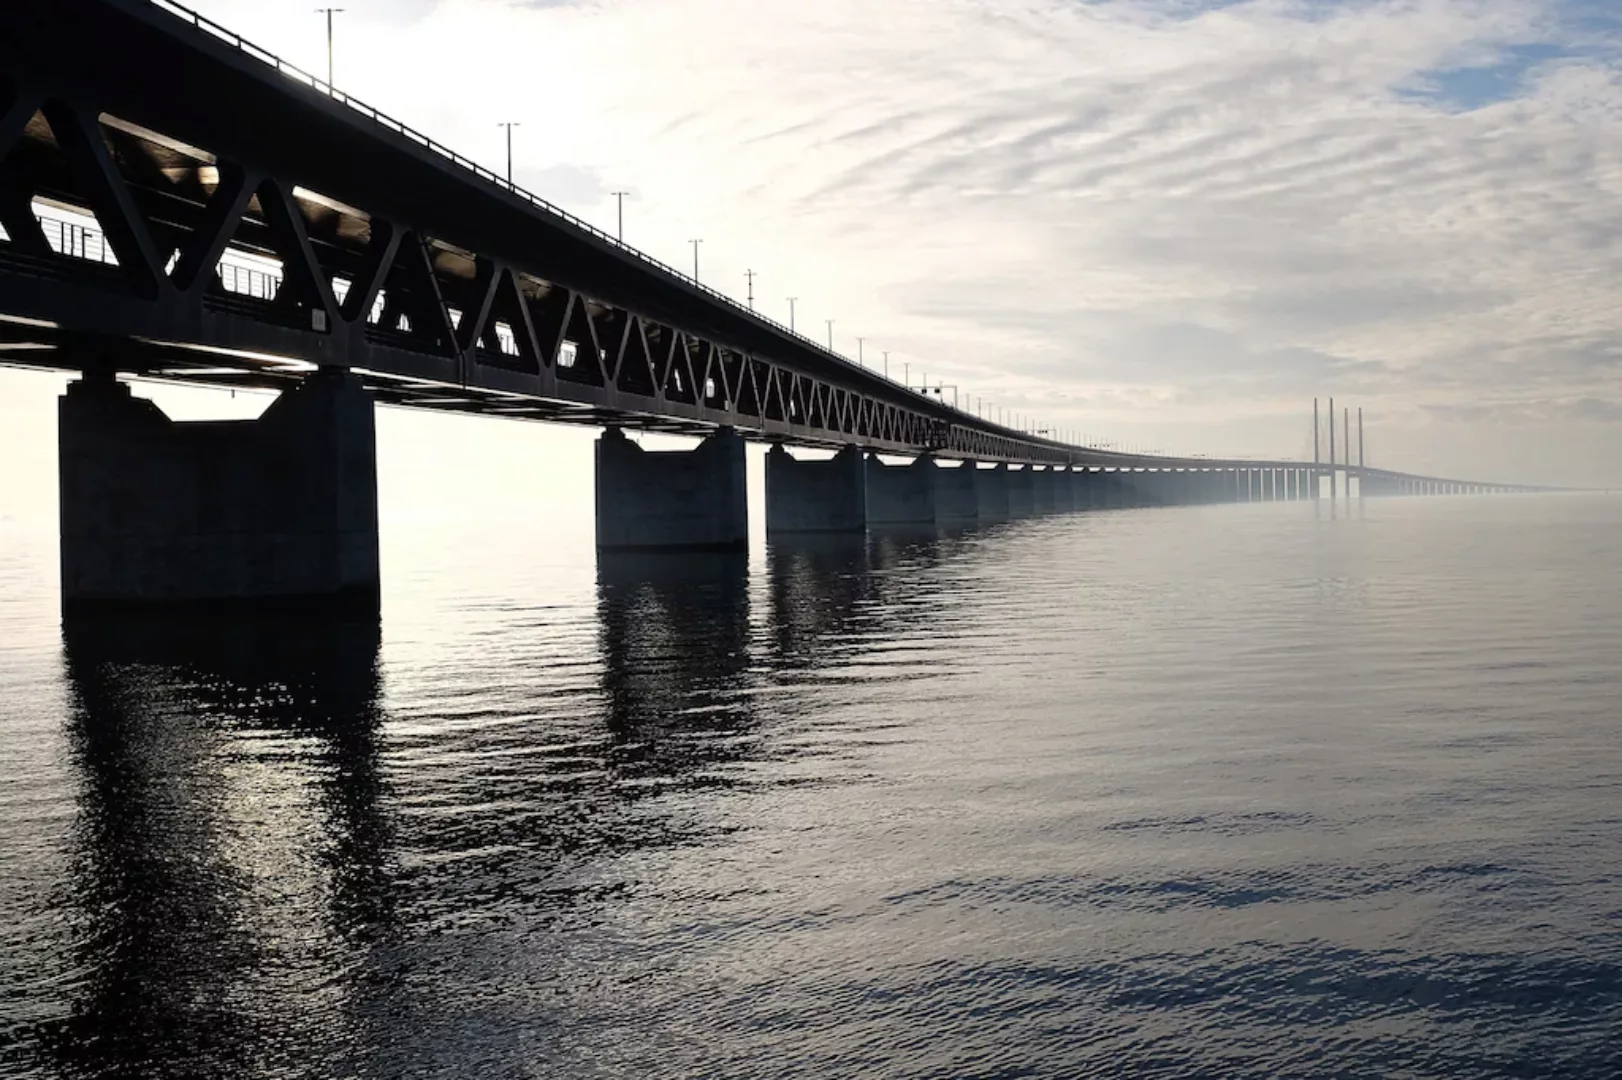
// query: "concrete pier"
[[816, 496], [901, 494], [957, 493], [278, 513], [1064, 490], [672, 500], [1021, 492], [1042, 490], [991, 491], [1085, 481]]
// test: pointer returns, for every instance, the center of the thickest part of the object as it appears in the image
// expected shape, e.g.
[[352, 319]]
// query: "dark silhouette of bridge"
[[222, 218]]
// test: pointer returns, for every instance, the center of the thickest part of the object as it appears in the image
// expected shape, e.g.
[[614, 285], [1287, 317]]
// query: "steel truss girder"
[[175, 315], [460, 294]]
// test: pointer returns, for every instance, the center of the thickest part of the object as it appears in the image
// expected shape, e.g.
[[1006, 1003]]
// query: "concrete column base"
[[957, 493], [901, 494], [672, 500], [278, 513], [1021, 492], [816, 496], [991, 493]]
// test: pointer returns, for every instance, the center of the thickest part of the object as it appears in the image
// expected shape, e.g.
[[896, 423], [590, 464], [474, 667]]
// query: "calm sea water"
[[1228, 791]]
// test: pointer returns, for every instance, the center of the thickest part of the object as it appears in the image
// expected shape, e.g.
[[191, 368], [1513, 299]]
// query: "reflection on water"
[[1228, 791], [167, 874], [675, 650]]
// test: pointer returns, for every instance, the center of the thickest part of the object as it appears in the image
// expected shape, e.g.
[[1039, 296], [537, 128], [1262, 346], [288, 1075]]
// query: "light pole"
[[749, 275], [329, 12], [695, 244], [791, 313], [886, 363], [509, 125], [830, 323], [619, 214], [859, 361]]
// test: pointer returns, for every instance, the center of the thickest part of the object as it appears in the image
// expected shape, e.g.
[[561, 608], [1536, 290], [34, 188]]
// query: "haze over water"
[[1219, 791]]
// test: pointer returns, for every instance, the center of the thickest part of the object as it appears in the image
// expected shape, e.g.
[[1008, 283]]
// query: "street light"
[[791, 313], [329, 12], [695, 244], [886, 363], [619, 214], [830, 323], [509, 125], [749, 275], [859, 361]]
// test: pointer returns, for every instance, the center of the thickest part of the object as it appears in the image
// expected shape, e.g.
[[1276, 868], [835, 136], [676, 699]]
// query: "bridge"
[[178, 204]]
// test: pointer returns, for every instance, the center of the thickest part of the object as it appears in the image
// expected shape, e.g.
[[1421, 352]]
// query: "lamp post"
[[509, 125], [695, 244], [791, 313], [329, 12], [749, 276], [859, 361], [886, 363], [830, 323], [619, 215]]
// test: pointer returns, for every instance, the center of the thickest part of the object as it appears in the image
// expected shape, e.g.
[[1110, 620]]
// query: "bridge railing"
[[319, 85]]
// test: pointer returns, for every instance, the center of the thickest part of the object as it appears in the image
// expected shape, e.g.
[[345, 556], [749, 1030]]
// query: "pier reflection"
[[228, 829], [674, 631], [832, 594]]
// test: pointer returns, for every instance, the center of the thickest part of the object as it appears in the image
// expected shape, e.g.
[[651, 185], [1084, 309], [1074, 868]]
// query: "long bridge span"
[[178, 204]]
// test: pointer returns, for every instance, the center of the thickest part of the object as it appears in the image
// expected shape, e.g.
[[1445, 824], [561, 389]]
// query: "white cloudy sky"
[[1165, 221]]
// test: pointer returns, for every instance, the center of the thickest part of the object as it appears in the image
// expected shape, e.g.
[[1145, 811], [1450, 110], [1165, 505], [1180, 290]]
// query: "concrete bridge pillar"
[[1064, 490], [1189, 484], [1021, 492], [1124, 491], [1118, 493], [901, 494], [1188, 489], [816, 496], [1139, 487], [1089, 488], [1117, 489], [674, 500], [1041, 491], [991, 492], [1151, 485], [278, 512], [957, 493]]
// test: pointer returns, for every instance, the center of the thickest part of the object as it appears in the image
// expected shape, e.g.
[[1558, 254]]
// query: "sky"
[[1167, 223]]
